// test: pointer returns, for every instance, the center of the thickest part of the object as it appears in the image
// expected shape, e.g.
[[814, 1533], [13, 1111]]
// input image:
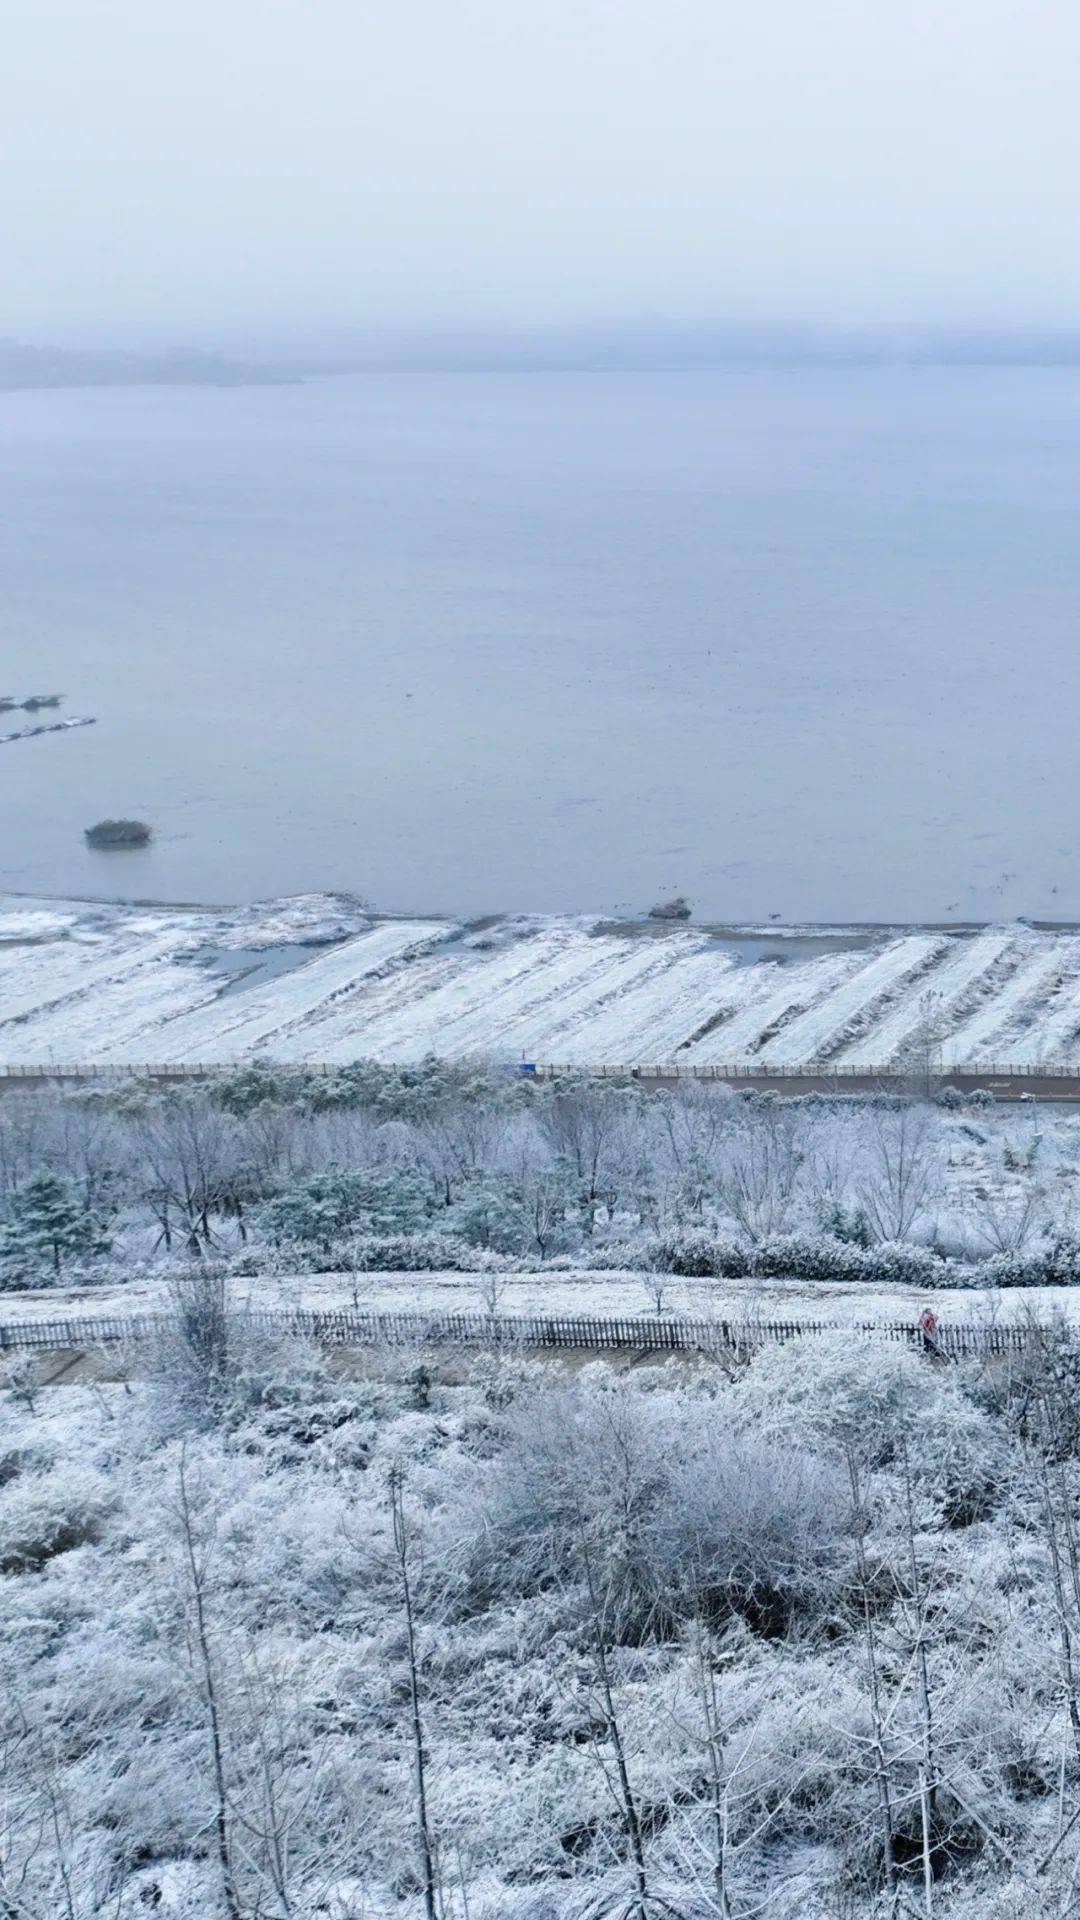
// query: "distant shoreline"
[[89, 383], [605, 922], [26, 369]]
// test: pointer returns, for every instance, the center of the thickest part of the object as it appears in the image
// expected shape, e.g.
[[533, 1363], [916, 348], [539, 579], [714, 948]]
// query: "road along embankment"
[[1004, 1082]]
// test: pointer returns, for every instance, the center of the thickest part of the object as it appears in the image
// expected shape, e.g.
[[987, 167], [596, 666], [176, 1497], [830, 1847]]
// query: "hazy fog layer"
[[791, 642], [305, 172]]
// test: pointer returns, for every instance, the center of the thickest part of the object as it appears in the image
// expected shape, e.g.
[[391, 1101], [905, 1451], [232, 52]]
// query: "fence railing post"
[[596, 1332]]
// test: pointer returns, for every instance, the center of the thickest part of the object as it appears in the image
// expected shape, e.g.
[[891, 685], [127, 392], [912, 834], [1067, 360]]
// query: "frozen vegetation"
[[319, 979], [275, 1175], [794, 1638], [293, 1633]]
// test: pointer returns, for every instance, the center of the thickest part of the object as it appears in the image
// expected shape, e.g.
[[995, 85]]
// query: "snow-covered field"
[[320, 979]]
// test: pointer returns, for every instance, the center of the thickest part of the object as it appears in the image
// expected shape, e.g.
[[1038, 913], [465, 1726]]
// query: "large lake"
[[802, 643]]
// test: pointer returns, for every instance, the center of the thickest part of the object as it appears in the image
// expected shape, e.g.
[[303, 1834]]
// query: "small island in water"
[[119, 833]]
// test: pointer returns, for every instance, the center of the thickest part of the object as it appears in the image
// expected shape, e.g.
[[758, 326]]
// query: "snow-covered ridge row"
[[322, 979]]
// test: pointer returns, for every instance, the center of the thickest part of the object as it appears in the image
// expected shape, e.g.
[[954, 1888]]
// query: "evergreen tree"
[[332, 1205], [47, 1226]]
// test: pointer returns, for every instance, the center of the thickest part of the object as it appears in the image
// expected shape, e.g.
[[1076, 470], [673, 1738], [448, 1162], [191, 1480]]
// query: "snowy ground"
[[574, 1293], [320, 979]]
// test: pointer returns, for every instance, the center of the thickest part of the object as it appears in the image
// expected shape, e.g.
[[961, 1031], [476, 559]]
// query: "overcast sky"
[[195, 168]]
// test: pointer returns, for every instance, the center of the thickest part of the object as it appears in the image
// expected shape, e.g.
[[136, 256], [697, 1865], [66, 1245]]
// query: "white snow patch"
[[98, 983]]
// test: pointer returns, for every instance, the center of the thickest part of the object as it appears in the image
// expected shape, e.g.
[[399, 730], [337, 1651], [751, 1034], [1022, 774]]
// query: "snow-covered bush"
[[694, 1253], [671, 1510], [699, 1254], [21, 1375], [1056, 1264], [419, 1253], [605, 1602], [50, 1512], [881, 1404], [824, 1259], [630, 1255], [851, 1391], [331, 1205]]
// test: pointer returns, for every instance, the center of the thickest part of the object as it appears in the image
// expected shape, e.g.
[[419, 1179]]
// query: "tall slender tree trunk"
[[927, 1768], [213, 1718], [631, 1817], [881, 1765], [1065, 1637], [423, 1830]]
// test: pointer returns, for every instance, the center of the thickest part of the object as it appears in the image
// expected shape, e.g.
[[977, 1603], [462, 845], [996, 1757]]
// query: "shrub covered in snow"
[[880, 1400], [46, 1513], [1056, 1264], [793, 1634], [420, 1253], [791, 1256]]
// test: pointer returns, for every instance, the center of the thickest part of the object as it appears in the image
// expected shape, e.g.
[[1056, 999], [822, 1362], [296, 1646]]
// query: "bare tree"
[[737, 1797], [583, 1121], [881, 1759], [759, 1167], [25, 1124], [187, 1147], [901, 1168], [829, 1166], [690, 1120], [91, 1151], [285, 1829], [917, 1611], [1007, 1220], [192, 1354], [456, 1144], [21, 1374], [617, 1773]]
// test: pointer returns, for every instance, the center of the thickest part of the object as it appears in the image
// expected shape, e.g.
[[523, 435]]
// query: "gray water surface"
[[799, 642]]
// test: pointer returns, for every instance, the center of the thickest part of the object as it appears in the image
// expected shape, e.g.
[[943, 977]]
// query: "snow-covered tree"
[[46, 1226]]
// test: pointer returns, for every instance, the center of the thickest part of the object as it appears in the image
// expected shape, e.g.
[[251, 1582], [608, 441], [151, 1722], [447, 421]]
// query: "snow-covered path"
[[568, 1293]]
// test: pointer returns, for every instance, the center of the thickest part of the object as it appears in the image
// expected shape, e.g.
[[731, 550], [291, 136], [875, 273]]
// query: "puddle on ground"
[[239, 968], [748, 949], [757, 944]]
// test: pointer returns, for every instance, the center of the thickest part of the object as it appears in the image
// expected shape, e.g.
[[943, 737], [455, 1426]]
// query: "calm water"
[[804, 642]]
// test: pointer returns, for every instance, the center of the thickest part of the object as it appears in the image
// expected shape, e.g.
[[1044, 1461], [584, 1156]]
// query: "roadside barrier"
[[889, 1074]]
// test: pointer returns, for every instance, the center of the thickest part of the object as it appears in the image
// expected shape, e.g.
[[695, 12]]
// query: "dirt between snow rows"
[[322, 980]]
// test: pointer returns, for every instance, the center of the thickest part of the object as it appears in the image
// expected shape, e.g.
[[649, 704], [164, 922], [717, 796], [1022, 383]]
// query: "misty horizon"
[[208, 175], [119, 357]]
